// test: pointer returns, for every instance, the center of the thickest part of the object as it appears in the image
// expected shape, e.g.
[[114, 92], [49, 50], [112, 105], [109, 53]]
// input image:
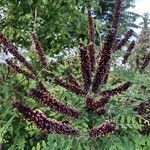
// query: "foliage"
[[19, 135], [144, 37], [58, 22], [142, 50]]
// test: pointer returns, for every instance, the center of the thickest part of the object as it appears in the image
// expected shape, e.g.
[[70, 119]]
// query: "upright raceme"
[[69, 86], [40, 51], [42, 122], [85, 67], [117, 90], [128, 52], [106, 95], [122, 42], [8, 45], [99, 104], [116, 16], [91, 40], [91, 31], [19, 70], [106, 128], [118, 44], [106, 52], [90, 103], [72, 80], [145, 63], [105, 60], [43, 96]]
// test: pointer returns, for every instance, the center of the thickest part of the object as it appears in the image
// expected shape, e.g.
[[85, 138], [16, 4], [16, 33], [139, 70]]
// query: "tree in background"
[[143, 44], [60, 22], [144, 36]]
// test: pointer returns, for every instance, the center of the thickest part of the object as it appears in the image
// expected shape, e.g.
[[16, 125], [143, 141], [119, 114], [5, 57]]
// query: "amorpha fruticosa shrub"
[[94, 72]]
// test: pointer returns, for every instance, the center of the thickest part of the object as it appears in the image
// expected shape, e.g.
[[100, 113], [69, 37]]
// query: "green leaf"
[[38, 146], [30, 2], [45, 2]]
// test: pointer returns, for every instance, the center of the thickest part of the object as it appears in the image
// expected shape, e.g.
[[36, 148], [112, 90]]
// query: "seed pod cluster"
[[106, 78], [137, 62], [117, 90], [72, 80], [101, 102], [143, 109], [122, 42], [91, 32], [42, 122], [90, 103], [8, 45], [85, 67], [94, 105], [116, 15], [101, 111], [91, 39], [104, 63], [106, 53], [69, 86], [91, 52], [19, 70], [145, 63], [43, 96], [106, 128], [40, 51], [127, 54]]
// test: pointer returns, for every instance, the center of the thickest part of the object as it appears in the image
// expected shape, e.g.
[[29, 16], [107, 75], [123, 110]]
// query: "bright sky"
[[141, 7]]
